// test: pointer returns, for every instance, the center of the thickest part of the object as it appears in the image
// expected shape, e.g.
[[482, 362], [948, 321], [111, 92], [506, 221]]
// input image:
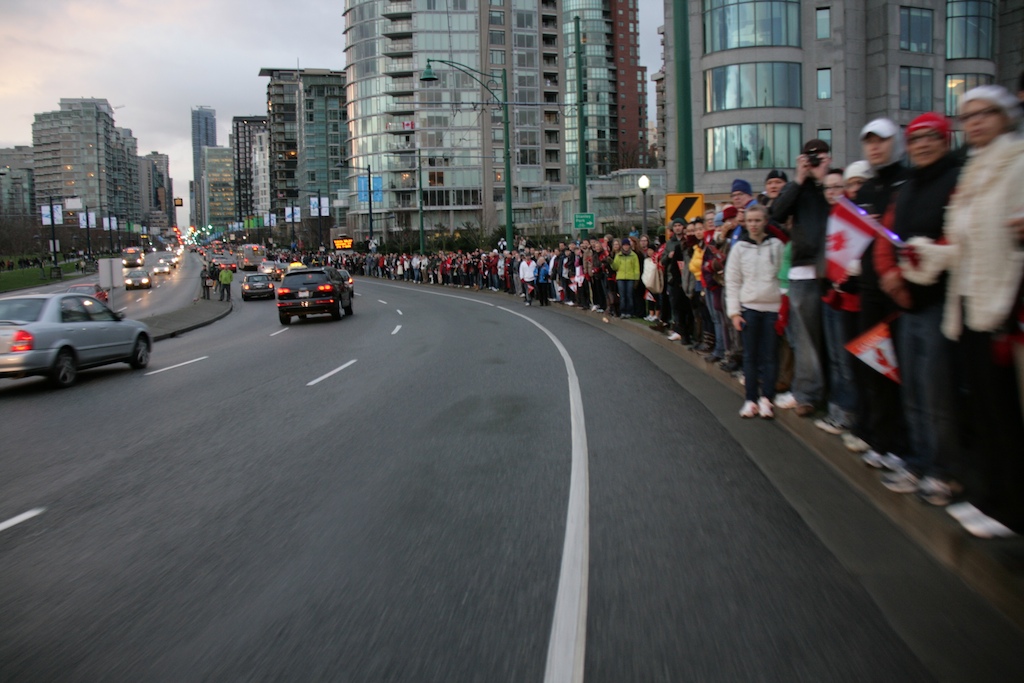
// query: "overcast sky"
[[154, 61]]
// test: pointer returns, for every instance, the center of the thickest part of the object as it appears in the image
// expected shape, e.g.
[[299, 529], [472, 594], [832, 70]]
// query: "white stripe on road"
[[358, 294], [399, 311], [395, 331], [333, 372], [383, 302], [280, 331], [24, 516], [188, 362], [138, 300]]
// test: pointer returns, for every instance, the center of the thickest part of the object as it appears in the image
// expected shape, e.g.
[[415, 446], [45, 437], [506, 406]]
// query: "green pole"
[[508, 158], [684, 135], [419, 182], [581, 146]]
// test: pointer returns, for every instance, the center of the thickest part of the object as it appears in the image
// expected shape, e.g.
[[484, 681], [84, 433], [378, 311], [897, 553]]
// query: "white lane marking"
[[24, 516], [188, 362], [395, 331], [358, 294], [568, 640], [280, 331], [122, 310], [383, 302], [333, 372], [138, 300], [399, 311]]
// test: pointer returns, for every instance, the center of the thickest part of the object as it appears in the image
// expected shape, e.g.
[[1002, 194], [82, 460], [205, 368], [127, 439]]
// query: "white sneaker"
[[785, 401], [749, 409], [854, 443], [888, 461], [675, 336], [764, 407], [827, 424]]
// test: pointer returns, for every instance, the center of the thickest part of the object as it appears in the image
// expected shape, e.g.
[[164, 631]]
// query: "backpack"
[[652, 277]]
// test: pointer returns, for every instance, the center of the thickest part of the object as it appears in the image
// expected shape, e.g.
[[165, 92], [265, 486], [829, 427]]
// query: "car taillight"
[[324, 288], [23, 341], [283, 290], [350, 280]]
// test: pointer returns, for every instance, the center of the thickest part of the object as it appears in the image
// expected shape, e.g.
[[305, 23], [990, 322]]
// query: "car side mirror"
[[119, 315]]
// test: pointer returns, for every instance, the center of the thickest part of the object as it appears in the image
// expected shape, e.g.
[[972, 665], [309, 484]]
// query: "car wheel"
[[64, 370], [140, 354], [285, 319], [336, 313]]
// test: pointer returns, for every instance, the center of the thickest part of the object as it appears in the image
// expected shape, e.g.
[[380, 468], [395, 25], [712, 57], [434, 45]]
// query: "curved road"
[[389, 498]]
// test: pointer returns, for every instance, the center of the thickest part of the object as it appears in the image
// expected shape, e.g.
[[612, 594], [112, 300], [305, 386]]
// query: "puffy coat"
[[752, 276]]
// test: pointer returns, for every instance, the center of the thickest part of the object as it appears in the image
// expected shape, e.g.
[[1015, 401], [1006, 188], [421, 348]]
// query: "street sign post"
[[683, 206], [583, 221]]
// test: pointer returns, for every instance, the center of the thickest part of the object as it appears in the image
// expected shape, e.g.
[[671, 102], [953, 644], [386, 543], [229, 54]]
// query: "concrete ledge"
[[201, 313]]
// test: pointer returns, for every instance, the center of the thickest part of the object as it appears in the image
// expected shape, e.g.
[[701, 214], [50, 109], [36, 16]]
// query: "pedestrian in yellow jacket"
[[627, 271]]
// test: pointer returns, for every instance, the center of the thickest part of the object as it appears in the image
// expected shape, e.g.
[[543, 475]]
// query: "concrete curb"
[[185, 323]]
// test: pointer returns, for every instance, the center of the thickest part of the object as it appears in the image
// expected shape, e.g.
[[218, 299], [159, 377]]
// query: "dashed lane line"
[[399, 311], [382, 301], [23, 517], [274, 334], [333, 372], [172, 367], [395, 331]]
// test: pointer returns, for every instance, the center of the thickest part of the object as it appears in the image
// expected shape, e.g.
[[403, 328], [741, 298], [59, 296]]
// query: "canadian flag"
[[875, 348], [850, 231], [648, 296]]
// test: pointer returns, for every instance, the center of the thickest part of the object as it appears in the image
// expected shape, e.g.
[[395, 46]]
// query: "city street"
[[418, 491]]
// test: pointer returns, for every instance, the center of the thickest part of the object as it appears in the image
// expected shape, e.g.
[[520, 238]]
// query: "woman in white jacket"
[[752, 300]]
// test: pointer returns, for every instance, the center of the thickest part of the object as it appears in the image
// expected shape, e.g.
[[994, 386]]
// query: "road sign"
[[684, 207], [583, 221]]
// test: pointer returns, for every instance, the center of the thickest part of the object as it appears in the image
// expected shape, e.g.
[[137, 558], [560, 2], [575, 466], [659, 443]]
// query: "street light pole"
[[429, 75], [369, 196], [644, 182], [581, 144], [419, 183], [320, 220], [53, 232]]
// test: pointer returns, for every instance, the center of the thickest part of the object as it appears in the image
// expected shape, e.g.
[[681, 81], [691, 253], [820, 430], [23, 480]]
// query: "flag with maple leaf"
[[849, 232], [875, 347]]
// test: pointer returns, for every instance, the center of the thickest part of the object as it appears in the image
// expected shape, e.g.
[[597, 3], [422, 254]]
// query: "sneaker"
[[873, 458], [569, 303], [900, 480], [527, 303], [749, 409], [827, 424], [854, 443], [978, 524], [675, 336], [712, 358], [598, 310], [786, 401], [963, 511], [764, 407], [934, 491], [804, 410]]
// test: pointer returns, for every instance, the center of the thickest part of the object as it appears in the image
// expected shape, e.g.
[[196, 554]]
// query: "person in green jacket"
[[225, 279], [627, 271]]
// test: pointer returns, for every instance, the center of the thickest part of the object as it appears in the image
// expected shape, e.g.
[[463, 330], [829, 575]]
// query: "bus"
[[250, 256], [133, 257]]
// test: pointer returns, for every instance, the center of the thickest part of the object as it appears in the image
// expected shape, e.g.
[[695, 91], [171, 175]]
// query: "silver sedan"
[[56, 335]]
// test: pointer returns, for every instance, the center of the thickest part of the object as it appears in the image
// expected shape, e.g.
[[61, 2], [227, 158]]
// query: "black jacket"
[[670, 259], [807, 205]]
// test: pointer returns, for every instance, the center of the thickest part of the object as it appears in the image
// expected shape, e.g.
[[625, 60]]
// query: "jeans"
[[713, 300], [225, 289], [626, 296], [760, 353], [839, 328], [805, 334], [927, 387]]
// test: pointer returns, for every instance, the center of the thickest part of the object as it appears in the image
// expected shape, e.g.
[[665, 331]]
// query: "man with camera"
[[804, 201]]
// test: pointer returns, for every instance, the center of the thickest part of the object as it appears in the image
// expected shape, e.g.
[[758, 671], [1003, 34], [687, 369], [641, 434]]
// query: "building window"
[[823, 23], [915, 29], [753, 145], [825, 134], [740, 86], [731, 24], [497, 56], [497, 37], [496, 18], [969, 29], [958, 84], [824, 84], [915, 88]]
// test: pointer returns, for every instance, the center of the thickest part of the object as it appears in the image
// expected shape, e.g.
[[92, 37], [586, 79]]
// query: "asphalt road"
[[385, 498]]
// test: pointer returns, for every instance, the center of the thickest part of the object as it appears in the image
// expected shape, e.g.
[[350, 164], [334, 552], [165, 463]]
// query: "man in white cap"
[[854, 177]]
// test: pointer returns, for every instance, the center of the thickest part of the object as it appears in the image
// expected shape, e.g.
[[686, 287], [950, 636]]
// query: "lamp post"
[[488, 85], [643, 182]]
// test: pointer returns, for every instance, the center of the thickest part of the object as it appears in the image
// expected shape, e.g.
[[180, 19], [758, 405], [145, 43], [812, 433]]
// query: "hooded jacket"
[[752, 276]]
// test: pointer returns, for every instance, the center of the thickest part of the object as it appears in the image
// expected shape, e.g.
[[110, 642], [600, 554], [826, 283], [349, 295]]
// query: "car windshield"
[[257, 278], [138, 273], [297, 279], [22, 310]]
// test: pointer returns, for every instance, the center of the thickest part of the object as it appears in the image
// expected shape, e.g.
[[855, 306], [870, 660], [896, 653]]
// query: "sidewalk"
[[992, 568]]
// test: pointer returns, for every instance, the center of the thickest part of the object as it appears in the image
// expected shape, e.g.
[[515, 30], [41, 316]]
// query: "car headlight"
[[127, 282], [145, 280]]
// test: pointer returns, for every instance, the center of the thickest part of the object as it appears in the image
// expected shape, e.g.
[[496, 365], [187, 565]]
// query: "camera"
[[813, 160]]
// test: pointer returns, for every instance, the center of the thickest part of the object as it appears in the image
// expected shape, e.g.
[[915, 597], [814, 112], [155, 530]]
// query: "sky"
[[155, 61]]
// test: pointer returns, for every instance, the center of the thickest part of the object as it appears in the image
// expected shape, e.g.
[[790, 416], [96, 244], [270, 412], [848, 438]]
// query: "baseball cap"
[[815, 146]]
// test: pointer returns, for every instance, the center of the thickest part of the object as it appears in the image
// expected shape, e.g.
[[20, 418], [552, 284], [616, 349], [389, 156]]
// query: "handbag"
[[652, 277], [209, 282]]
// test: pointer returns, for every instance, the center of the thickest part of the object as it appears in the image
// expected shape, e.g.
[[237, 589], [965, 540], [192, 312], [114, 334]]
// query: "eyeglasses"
[[931, 136], [989, 111]]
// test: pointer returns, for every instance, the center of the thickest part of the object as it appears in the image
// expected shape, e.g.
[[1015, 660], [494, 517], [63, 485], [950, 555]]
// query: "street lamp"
[[643, 183], [488, 85]]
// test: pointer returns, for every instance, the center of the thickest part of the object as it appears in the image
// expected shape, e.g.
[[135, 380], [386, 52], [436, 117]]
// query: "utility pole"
[[581, 144]]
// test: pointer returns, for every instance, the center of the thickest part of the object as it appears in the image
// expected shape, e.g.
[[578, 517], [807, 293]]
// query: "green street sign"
[[583, 221]]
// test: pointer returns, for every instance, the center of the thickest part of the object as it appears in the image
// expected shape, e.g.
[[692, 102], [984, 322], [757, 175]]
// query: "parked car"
[[314, 291], [257, 286], [93, 290], [137, 279], [56, 335]]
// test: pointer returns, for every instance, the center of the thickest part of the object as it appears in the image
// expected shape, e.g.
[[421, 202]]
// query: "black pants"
[[543, 289], [680, 305]]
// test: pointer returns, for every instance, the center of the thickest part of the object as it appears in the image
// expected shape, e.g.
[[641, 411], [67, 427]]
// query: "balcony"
[[402, 85], [397, 10], [399, 48], [403, 105], [405, 67], [398, 29], [407, 127]]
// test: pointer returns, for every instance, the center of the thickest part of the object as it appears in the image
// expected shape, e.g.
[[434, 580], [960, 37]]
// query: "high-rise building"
[[204, 134], [282, 123], [261, 177], [157, 192], [768, 75], [218, 193], [79, 152], [17, 193], [244, 130]]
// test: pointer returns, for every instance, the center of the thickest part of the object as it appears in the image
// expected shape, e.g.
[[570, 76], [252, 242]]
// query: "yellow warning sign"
[[684, 207]]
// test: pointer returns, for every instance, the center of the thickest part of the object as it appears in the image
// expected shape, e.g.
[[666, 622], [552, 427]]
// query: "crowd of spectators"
[[747, 286]]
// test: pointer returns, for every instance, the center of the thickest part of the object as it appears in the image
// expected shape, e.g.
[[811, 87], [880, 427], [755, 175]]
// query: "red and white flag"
[[648, 296], [850, 231], [875, 348]]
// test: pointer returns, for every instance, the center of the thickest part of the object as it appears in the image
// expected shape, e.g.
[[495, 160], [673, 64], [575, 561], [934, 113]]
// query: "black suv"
[[314, 290]]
